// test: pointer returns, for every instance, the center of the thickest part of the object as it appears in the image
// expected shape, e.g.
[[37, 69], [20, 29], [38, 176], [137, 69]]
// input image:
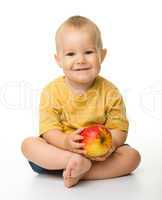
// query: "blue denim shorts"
[[41, 170]]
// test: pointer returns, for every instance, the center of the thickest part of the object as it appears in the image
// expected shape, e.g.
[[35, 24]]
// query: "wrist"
[[65, 142], [114, 148], [114, 145]]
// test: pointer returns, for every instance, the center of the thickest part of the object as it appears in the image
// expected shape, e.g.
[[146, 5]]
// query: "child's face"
[[79, 55]]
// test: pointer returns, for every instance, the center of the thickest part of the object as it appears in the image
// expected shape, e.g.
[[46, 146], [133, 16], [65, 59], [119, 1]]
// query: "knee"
[[26, 144], [133, 158]]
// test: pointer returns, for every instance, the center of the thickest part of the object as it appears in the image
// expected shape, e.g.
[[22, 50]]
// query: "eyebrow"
[[71, 50]]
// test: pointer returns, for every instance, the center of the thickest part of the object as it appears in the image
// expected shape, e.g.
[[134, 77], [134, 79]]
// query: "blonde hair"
[[79, 22]]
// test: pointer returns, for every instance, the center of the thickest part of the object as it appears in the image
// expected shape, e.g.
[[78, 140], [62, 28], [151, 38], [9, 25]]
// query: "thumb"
[[78, 131]]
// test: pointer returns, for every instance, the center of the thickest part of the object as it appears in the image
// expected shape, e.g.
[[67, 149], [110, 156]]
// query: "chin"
[[84, 80]]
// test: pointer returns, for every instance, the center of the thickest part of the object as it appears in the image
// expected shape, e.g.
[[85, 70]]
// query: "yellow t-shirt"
[[62, 110]]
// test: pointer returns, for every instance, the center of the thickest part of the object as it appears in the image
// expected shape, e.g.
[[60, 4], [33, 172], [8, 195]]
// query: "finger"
[[77, 137], [79, 151], [93, 159], [78, 131], [77, 145], [100, 159], [109, 153], [81, 145], [96, 159]]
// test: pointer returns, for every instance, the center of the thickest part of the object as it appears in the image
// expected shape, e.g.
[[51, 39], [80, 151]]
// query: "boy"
[[79, 99]]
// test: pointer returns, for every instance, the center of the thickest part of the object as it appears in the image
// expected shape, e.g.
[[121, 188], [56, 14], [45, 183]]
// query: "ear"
[[103, 54], [57, 58]]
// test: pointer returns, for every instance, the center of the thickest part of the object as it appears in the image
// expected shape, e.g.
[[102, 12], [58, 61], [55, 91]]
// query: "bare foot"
[[76, 168], [70, 181]]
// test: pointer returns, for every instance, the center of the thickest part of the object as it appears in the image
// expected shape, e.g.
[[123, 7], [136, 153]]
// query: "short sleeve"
[[49, 112], [116, 112]]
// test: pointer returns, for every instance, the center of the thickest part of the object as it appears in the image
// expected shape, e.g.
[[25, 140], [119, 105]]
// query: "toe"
[[66, 173]]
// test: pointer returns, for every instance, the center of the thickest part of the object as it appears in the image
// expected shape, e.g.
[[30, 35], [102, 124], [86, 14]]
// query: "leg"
[[38, 151], [49, 157], [122, 162]]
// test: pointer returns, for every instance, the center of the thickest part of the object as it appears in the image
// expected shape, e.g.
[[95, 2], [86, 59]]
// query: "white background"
[[132, 34]]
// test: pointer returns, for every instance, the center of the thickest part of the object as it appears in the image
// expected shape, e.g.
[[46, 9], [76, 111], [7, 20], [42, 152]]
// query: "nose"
[[80, 59]]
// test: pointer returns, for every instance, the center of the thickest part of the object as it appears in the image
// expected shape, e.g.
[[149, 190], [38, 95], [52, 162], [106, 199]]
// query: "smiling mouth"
[[81, 69]]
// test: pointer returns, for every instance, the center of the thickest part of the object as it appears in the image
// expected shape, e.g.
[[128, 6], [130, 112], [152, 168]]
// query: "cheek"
[[94, 60], [66, 62]]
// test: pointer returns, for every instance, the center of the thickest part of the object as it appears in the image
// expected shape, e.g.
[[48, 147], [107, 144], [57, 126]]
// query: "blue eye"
[[70, 54]]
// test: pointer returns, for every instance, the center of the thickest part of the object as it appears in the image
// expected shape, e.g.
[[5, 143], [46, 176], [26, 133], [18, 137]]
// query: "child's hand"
[[104, 157], [73, 144]]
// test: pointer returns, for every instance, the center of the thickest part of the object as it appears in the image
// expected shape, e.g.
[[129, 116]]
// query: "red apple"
[[97, 139]]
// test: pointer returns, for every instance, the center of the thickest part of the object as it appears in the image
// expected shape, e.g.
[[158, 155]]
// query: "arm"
[[56, 138], [64, 141], [118, 137], [116, 121]]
